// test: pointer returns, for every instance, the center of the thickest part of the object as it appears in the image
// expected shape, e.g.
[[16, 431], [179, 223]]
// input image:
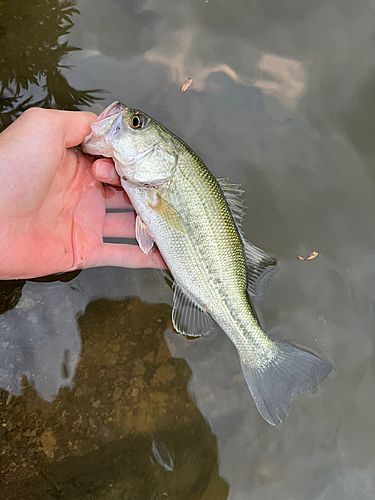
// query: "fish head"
[[142, 149]]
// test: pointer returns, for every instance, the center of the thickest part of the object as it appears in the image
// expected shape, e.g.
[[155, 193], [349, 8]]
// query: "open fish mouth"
[[103, 129], [111, 110]]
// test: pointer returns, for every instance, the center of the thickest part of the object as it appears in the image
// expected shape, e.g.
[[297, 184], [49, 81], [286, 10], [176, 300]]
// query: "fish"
[[194, 219]]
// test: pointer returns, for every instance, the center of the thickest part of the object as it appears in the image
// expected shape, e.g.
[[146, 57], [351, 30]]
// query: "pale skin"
[[53, 202]]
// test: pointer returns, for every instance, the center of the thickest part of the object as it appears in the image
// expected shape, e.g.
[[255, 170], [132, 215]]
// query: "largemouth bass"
[[194, 219]]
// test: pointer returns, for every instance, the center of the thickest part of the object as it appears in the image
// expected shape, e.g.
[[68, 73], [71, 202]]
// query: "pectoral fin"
[[143, 236], [169, 214], [188, 317]]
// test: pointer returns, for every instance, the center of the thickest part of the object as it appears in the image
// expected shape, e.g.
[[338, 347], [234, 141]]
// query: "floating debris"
[[310, 257], [186, 85]]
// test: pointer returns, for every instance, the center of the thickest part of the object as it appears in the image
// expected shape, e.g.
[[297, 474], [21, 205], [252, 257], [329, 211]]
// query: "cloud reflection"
[[39, 340], [280, 77]]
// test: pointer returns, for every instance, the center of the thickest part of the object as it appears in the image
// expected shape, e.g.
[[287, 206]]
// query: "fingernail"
[[104, 171]]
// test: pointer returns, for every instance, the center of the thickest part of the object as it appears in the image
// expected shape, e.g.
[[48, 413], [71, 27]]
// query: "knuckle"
[[35, 114], [34, 111]]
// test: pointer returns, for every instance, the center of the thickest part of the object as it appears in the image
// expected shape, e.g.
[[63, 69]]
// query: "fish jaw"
[[103, 130], [111, 110]]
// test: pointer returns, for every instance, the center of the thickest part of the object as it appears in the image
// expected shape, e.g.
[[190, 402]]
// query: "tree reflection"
[[33, 45]]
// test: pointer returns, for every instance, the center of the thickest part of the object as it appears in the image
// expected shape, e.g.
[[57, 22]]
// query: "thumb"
[[39, 124], [75, 124]]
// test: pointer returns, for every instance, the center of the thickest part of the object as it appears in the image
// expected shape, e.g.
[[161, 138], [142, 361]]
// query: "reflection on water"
[[162, 455], [282, 101], [10, 294], [277, 76], [33, 52], [129, 400], [39, 340]]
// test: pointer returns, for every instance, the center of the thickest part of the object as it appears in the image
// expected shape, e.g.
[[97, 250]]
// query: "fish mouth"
[[113, 109], [103, 130]]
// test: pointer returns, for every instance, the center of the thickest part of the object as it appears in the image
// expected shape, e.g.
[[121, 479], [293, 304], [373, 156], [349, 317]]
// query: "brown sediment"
[[95, 438]]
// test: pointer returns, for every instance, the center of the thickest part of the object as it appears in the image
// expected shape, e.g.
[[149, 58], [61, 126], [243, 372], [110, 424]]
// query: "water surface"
[[281, 101]]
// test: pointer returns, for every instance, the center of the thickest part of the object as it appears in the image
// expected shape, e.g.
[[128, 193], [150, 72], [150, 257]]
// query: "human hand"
[[53, 203]]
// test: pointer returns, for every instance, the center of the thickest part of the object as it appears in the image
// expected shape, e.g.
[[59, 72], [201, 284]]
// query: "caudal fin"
[[290, 372]]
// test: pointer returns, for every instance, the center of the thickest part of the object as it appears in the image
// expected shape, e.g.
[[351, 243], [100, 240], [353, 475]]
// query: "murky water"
[[282, 101]]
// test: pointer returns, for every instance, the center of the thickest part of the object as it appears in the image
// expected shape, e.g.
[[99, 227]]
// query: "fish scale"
[[194, 220], [225, 266]]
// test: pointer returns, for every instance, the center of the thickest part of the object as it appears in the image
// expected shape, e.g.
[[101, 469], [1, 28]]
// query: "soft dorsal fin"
[[260, 270], [188, 317], [260, 266]]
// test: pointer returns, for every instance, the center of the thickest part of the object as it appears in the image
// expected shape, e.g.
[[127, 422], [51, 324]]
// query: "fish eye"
[[138, 121]]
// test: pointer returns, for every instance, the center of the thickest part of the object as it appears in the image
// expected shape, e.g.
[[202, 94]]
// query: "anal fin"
[[188, 317]]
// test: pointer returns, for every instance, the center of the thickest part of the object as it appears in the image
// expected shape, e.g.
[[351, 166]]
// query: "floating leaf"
[[310, 257], [186, 85]]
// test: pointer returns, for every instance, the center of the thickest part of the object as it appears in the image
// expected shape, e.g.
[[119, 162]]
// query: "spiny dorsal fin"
[[233, 195], [188, 317]]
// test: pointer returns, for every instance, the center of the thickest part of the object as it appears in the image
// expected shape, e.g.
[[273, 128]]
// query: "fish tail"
[[290, 371]]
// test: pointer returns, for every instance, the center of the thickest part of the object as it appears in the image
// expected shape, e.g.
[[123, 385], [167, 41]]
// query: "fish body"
[[194, 219]]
